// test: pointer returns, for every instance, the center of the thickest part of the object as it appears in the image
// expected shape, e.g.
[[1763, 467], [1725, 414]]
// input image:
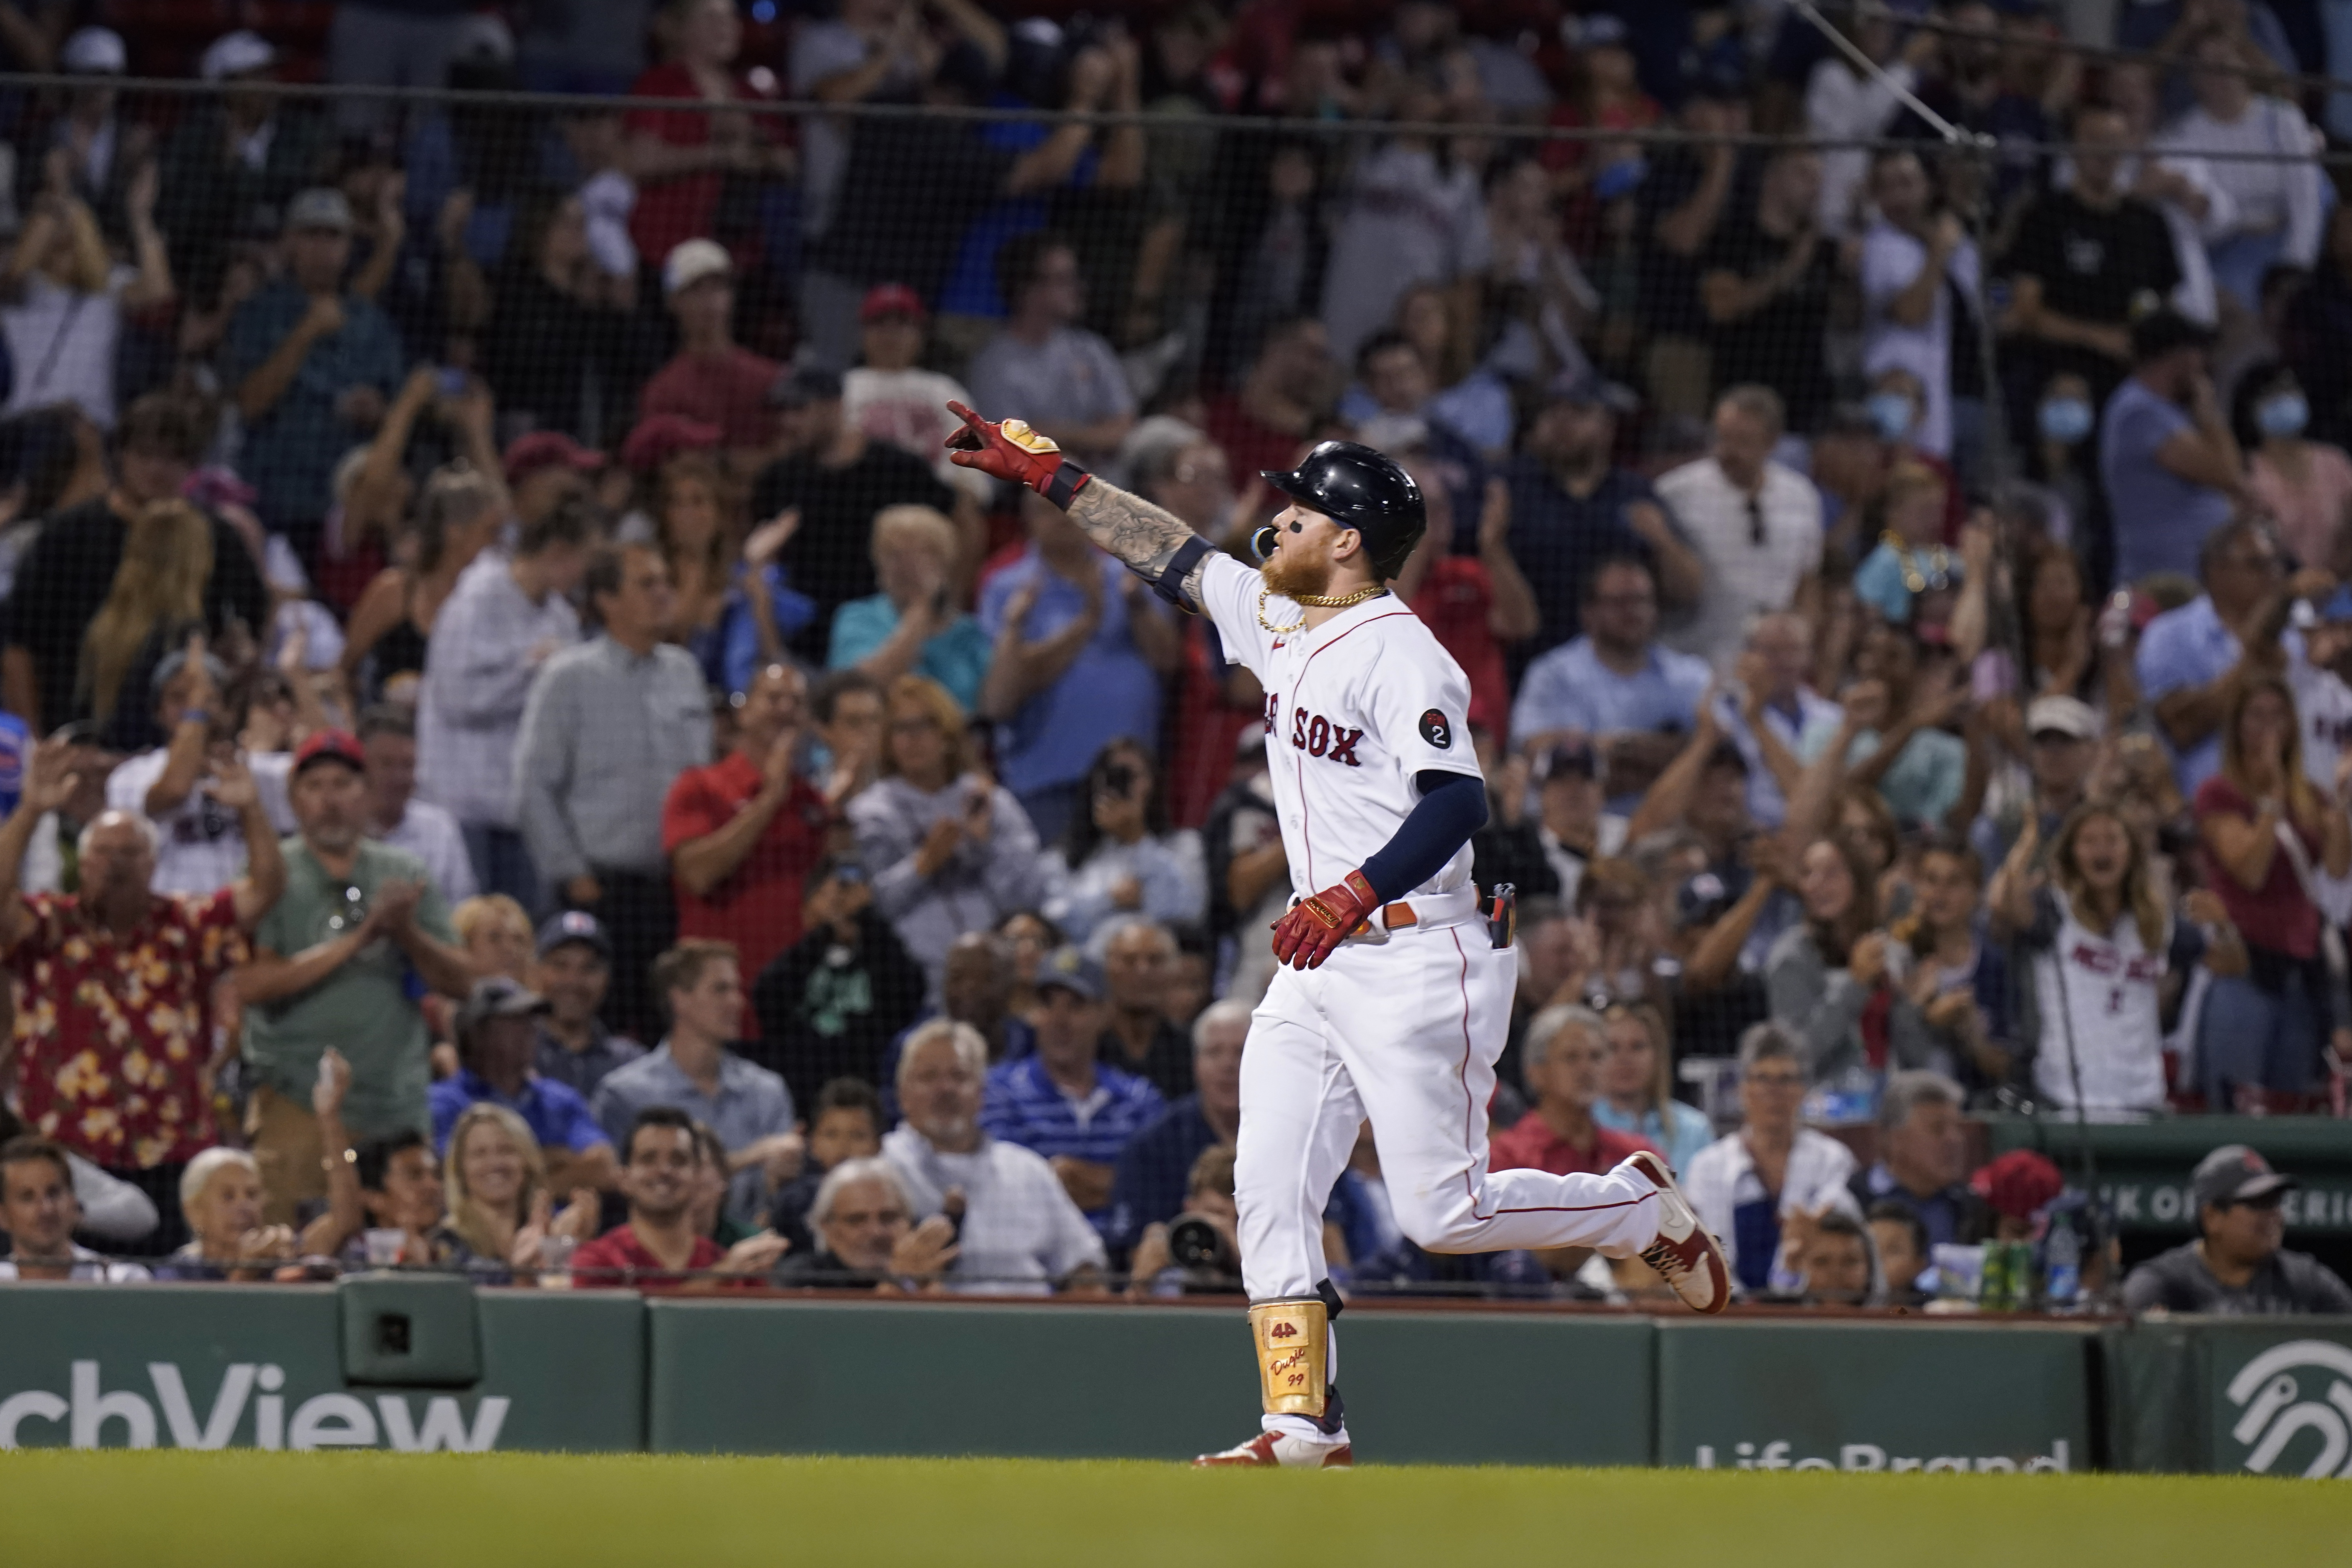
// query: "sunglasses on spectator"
[[353, 912]]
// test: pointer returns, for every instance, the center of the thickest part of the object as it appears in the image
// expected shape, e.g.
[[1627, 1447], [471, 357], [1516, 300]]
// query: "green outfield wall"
[[421, 1364]]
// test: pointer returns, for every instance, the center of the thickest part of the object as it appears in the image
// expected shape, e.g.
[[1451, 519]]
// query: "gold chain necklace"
[[1938, 574], [1314, 601]]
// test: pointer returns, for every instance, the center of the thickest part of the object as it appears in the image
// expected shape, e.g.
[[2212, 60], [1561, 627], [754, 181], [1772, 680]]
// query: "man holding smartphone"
[[743, 833]]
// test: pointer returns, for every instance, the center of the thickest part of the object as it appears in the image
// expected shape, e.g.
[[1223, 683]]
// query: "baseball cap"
[[1575, 758], [1072, 970], [320, 206], [240, 53], [800, 385], [692, 260], [526, 454], [574, 926], [329, 746], [168, 668], [497, 998], [661, 436], [1589, 389], [2163, 330], [2069, 716], [2234, 1173], [94, 51], [890, 299], [1599, 31]]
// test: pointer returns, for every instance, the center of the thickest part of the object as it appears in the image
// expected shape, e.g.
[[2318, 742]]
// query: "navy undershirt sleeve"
[[1452, 808]]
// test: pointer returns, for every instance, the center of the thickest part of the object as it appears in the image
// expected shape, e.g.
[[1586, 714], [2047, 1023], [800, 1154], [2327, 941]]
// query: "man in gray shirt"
[[609, 724], [507, 616], [1061, 378], [2237, 1266]]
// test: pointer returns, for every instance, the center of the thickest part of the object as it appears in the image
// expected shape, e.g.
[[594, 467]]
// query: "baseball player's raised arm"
[[1155, 544]]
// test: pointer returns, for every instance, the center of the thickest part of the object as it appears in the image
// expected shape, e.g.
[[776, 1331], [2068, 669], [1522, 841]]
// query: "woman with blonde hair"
[[947, 848], [496, 934], [915, 623], [1637, 1084], [63, 295], [2107, 955], [499, 1209], [156, 603]]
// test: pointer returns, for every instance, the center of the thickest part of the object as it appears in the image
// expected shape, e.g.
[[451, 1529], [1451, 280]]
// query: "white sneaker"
[[1685, 1255], [1285, 1451]]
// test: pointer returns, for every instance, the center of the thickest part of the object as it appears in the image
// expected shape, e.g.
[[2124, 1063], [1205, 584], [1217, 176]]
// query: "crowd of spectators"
[[523, 756]]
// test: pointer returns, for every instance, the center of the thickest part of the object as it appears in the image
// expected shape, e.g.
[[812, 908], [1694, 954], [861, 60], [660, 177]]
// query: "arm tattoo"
[[1143, 535]]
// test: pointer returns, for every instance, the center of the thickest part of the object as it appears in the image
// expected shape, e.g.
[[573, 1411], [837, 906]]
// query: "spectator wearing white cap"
[[312, 367], [101, 151], [713, 378], [232, 164], [2062, 738]]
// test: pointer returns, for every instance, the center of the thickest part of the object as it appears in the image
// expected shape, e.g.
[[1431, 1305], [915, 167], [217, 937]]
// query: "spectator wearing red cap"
[[544, 467], [892, 398], [713, 378], [115, 1037], [1922, 1151], [838, 480], [332, 965], [743, 833], [509, 615]]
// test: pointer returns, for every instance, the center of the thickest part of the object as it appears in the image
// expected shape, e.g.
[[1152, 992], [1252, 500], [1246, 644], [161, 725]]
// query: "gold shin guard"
[[1294, 1347]]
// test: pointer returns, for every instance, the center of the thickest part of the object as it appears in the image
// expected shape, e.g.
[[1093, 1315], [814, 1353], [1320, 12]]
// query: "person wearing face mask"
[[1919, 276], [2058, 458], [2303, 484]]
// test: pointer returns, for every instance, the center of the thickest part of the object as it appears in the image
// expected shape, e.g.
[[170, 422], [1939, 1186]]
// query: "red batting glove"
[[1305, 936], [1011, 451]]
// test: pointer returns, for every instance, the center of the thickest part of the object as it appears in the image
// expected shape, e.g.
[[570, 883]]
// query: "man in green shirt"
[[342, 960]]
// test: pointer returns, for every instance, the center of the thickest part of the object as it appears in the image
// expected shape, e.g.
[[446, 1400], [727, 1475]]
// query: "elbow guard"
[[1169, 582]]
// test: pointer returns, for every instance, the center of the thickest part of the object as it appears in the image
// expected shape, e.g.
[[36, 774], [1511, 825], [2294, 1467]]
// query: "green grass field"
[[161, 1510]]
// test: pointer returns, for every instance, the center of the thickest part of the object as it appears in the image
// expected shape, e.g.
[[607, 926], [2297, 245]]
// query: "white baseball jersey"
[[1354, 710], [2099, 999]]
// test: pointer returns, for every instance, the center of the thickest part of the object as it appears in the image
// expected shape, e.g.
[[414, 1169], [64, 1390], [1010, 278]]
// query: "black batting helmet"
[[1359, 487]]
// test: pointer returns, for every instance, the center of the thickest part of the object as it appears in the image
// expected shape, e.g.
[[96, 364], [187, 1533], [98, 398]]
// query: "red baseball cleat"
[[1284, 1451], [1685, 1255]]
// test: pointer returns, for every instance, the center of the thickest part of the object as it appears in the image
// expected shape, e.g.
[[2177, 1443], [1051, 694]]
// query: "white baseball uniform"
[[1404, 1030]]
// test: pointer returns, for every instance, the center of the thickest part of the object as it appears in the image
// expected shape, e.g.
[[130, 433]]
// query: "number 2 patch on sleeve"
[[1436, 731]]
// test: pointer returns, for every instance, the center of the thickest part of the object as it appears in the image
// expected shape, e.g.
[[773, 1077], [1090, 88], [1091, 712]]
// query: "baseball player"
[[1396, 988]]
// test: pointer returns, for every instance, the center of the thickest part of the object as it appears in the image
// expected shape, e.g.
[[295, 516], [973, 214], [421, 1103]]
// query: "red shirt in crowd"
[[729, 390], [1532, 1145], [1250, 447], [682, 206], [618, 1258], [1454, 602], [2280, 918], [759, 907], [113, 1037]]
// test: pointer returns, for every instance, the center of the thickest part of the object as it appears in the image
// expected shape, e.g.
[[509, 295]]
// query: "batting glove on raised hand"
[[1010, 450], [1306, 934]]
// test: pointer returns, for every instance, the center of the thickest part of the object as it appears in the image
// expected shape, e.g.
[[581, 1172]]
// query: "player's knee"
[[1436, 1224]]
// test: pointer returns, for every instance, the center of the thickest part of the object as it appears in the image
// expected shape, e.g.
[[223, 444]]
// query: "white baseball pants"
[[1405, 1032]]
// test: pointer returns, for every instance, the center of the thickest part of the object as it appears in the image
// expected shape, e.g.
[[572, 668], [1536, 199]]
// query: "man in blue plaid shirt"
[[1062, 1103]]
